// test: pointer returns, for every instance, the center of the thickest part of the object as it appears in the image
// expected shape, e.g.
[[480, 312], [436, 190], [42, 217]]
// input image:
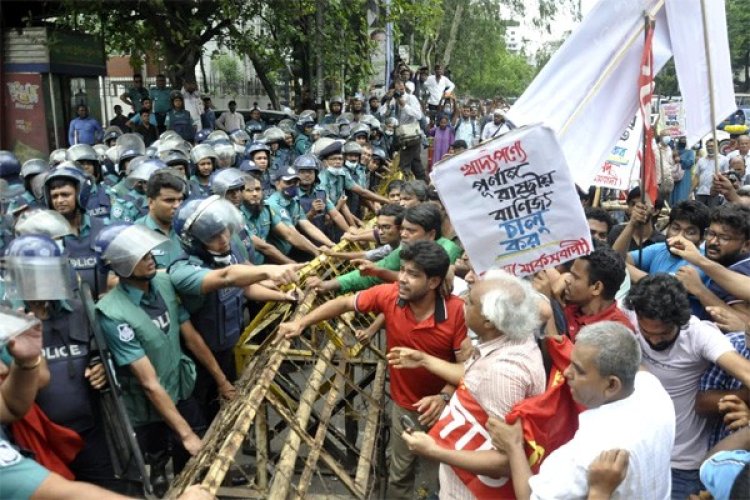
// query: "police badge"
[[126, 333]]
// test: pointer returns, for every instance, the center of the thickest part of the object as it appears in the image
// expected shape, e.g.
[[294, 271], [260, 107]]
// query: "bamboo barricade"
[[315, 404]]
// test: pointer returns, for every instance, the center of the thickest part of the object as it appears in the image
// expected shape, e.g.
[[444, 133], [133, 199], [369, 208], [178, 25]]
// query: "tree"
[[228, 71], [738, 20]]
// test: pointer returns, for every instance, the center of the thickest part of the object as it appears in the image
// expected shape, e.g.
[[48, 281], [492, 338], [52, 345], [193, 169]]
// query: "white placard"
[[617, 170], [513, 203]]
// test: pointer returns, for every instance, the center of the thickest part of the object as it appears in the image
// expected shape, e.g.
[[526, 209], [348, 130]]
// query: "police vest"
[[182, 123], [175, 370], [100, 204], [220, 318], [67, 400], [306, 201], [83, 257]]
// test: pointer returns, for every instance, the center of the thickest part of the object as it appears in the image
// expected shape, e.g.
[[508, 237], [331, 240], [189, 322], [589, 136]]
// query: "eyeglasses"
[[723, 238], [690, 232]]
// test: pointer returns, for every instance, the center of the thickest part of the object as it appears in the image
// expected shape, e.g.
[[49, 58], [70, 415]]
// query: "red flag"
[[646, 91]]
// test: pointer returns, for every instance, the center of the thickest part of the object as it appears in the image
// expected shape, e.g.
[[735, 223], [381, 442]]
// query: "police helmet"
[[307, 162], [143, 171], [360, 129], [351, 148], [57, 156], [42, 221], [203, 151], [249, 166], [273, 134], [305, 121], [199, 220], [218, 135], [68, 171], [10, 167], [253, 128], [36, 269], [202, 135], [225, 153], [239, 137], [120, 247], [226, 180], [172, 135], [111, 134], [379, 154], [33, 167], [256, 147], [337, 99]]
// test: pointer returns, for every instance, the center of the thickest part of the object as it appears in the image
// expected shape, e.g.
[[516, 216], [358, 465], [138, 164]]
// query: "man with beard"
[[688, 219], [678, 348], [728, 243], [262, 219]]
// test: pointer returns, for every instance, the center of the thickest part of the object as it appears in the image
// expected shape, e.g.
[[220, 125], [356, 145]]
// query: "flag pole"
[[712, 105], [609, 70], [648, 23]]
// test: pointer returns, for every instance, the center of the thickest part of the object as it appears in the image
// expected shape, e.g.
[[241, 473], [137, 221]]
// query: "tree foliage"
[[738, 21], [227, 70]]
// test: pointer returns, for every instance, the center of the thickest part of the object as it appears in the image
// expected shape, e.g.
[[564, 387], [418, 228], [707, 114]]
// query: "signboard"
[[513, 203], [672, 118], [24, 117], [617, 170]]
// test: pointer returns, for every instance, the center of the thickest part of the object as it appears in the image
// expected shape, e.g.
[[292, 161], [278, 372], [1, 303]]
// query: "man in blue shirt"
[[84, 129]]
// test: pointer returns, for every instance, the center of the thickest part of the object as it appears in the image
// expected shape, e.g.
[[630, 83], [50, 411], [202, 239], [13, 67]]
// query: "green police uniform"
[[261, 225], [336, 185], [290, 211], [138, 324], [167, 253]]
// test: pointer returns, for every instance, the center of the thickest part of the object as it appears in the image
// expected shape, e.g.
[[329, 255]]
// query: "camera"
[[397, 94]]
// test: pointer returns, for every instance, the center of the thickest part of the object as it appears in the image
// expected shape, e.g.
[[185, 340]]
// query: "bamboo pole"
[[610, 69], [711, 103], [371, 431], [320, 434], [282, 477]]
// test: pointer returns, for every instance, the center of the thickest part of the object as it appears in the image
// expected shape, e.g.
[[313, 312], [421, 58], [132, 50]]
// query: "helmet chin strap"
[[222, 259]]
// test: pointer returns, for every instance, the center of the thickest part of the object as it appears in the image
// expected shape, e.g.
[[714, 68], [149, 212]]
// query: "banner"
[[513, 203], [622, 165], [587, 92], [672, 118], [24, 116], [686, 31]]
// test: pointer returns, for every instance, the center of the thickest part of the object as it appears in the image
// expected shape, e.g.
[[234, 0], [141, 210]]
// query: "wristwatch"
[[446, 397]]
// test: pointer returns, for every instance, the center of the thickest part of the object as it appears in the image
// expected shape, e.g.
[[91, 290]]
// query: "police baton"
[[127, 459]]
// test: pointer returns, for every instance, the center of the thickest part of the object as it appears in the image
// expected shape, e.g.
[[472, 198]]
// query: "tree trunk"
[[746, 83], [268, 85], [453, 33], [203, 74]]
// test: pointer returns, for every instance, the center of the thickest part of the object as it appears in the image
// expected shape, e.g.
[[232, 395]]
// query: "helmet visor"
[[131, 141], [38, 278], [130, 246], [48, 222], [212, 217]]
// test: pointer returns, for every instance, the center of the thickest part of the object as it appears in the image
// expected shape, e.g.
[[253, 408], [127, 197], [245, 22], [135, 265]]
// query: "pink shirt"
[[500, 374]]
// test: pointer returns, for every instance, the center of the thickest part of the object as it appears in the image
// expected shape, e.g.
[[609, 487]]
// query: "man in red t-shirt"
[[590, 290], [419, 317]]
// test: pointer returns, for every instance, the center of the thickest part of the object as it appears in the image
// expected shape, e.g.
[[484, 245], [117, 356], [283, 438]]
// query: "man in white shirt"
[[193, 103], [704, 174], [743, 150], [496, 127], [627, 409], [437, 85], [229, 121], [399, 104], [678, 348]]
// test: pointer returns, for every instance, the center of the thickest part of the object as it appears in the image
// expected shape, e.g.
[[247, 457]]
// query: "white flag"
[[572, 73], [686, 32]]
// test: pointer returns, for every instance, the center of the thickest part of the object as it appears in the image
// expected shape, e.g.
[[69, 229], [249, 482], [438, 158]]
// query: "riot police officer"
[[336, 106], [39, 275], [302, 142], [87, 160], [229, 183], [133, 204], [66, 191], [313, 199], [204, 161], [211, 281], [179, 119], [260, 155], [30, 170], [143, 324]]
